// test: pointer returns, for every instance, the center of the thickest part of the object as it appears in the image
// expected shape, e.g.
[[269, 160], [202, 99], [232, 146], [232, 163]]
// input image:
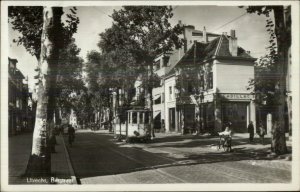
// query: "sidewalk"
[[19, 147], [19, 152]]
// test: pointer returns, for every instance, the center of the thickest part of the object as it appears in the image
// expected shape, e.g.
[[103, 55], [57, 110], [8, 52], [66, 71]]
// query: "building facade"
[[208, 85], [21, 115]]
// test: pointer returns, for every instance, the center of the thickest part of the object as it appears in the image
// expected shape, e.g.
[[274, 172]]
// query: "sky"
[[250, 30]]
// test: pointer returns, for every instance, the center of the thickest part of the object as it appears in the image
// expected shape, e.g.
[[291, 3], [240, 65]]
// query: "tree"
[[69, 76], [145, 32], [110, 72], [274, 87], [43, 35]]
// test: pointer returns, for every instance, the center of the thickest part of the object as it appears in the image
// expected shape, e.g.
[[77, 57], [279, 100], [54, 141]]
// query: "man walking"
[[71, 132], [251, 131]]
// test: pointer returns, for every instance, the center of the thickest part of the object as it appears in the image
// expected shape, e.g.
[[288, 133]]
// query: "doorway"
[[236, 113], [172, 119]]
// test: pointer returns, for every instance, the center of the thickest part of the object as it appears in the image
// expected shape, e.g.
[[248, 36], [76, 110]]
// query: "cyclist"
[[226, 137]]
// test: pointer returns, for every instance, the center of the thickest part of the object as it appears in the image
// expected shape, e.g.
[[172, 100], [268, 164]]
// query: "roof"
[[19, 74], [219, 47], [200, 33]]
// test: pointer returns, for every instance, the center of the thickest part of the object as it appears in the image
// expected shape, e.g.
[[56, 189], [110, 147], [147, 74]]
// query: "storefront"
[[215, 110]]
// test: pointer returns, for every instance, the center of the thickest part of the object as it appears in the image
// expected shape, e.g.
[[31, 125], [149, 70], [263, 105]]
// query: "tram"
[[135, 126]]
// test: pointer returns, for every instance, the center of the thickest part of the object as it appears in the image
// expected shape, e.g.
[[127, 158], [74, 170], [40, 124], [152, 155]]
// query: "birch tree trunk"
[[39, 163], [151, 102]]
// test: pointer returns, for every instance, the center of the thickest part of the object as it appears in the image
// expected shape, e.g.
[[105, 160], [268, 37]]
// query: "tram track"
[[142, 159], [147, 166]]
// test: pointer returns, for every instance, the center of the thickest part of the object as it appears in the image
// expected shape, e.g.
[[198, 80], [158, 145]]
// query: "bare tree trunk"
[[151, 101], [39, 163], [278, 136]]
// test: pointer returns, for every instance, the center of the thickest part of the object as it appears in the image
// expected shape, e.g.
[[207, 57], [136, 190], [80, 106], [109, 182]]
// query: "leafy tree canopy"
[[28, 21]]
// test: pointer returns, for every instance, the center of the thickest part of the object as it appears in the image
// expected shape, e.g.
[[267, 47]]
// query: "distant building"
[[20, 114]]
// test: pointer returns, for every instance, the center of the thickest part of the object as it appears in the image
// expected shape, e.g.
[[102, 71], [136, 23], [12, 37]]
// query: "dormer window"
[[157, 65], [166, 61]]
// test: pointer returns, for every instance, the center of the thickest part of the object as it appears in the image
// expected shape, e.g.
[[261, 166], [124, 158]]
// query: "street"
[[97, 158]]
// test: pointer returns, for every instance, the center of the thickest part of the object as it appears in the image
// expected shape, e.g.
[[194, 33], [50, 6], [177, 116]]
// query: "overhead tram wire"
[[102, 12], [229, 22]]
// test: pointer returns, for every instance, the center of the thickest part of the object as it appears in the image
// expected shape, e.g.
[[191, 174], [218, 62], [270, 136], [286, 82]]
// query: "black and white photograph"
[[149, 96]]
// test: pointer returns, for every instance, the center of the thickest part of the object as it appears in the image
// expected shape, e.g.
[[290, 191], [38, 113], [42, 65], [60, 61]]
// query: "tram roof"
[[138, 110]]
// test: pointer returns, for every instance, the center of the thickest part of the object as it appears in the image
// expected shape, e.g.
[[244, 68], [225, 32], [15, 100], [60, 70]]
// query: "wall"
[[233, 76], [158, 107], [169, 102]]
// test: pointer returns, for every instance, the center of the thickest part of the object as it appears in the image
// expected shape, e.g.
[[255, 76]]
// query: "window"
[[157, 65], [146, 117], [190, 87], [141, 117], [166, 61], [210, 76], [17, 103], [157, 99], [128, 115], [134, 117], [170, 93]]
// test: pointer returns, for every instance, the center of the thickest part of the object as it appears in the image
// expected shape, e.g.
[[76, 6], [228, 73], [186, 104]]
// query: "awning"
[[156, 97], [194, 101], [156, 113]]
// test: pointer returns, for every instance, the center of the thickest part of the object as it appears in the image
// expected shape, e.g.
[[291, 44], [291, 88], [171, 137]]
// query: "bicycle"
[[225, 142]]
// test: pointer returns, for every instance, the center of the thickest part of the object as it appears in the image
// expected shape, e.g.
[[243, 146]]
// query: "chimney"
[[233, 43], [188, 36], [204, 35], [180, 23]]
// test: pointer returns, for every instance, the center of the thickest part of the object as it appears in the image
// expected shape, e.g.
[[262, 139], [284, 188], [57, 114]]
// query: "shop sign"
[[236, 96]]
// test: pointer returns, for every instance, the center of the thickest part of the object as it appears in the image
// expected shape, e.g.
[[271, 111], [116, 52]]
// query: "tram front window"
[[141, 118], [146, 117], [134, 117]]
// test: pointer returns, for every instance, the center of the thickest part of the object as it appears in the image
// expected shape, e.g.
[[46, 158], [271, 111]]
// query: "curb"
[[73, 177]]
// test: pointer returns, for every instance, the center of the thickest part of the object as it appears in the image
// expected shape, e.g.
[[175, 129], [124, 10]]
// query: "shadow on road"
[[94, 154]]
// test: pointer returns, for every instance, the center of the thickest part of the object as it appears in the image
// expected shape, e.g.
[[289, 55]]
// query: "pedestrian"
[[262, 132], [71, 132], [251, 131], [163, 126], [197, 125]]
